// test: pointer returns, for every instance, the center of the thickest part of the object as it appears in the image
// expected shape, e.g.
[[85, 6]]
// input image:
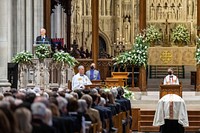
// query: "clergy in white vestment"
[[170, 79], [171, 112], [80, 80]]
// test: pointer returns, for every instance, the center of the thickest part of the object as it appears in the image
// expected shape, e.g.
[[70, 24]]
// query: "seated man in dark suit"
[[43, 38]]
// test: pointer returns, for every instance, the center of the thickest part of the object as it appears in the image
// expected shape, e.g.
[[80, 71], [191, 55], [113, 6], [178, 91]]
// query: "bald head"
[[170, 71]]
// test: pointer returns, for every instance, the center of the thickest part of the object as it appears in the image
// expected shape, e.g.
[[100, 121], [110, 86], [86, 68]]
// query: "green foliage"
[[197, 54], [42, 51], [128, 94], [23, 58], [180, 34], [62, 57], [124, 59], [153, 34]]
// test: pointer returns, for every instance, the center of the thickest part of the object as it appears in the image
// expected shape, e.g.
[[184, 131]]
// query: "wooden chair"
[[93, 127]]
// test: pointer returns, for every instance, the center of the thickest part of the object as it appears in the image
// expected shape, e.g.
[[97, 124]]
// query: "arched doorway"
[[102, 48]]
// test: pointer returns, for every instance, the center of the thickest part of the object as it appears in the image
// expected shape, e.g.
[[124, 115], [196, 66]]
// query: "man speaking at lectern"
[[43, 38]]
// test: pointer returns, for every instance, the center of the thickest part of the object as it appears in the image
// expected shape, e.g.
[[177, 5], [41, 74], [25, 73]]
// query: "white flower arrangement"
[[23, 58], [180, 34], [42, 51], [140, 50], [137, 56], [197, 54], [153, 34], [62, 57]]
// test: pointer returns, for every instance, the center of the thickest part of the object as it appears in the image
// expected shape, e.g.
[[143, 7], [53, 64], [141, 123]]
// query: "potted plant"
[[180, 35], [153, 35]]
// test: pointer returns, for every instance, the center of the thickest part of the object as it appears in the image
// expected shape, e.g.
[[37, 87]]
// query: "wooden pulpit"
[[121, 76], [170, 89], [93, 86], [111, 82]]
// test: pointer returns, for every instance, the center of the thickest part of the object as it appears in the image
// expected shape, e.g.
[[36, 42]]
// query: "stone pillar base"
[[4, 86]]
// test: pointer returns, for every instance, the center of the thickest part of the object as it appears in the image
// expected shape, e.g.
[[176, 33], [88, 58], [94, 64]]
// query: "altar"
[[173, 56]]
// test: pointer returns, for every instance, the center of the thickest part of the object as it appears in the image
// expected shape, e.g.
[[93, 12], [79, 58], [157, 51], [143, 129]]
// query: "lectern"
[[170, 89], [120, 76]]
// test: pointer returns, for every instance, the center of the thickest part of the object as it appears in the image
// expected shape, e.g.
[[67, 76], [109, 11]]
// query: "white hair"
[[80, 67], [38, 108], [62, 102]]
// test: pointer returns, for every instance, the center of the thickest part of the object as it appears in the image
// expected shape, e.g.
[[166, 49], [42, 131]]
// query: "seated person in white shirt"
[[80, 80], [171, 79]]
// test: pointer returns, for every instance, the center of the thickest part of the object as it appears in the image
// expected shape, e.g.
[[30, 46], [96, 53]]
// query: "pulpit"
[[121, 76], [117, 79], [170, 89], [95, 83]]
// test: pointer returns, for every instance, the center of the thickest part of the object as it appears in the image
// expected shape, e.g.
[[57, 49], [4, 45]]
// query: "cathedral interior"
[[100, 32]]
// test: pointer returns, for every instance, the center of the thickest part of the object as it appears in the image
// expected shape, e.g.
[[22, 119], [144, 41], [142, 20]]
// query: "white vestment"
[[79, 82], [171, 106], [171, 80]]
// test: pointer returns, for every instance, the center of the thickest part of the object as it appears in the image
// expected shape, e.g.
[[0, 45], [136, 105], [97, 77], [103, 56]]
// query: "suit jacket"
[[41, 40], [95, 117]]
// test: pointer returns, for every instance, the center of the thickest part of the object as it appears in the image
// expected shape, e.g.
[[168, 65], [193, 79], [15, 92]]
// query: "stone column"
[[29, 25], [95, 30], [59, 21], [21, 25], [5, 41], [38, 17]]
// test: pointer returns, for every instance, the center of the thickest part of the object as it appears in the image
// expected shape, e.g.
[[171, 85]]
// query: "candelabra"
[[119, 45]]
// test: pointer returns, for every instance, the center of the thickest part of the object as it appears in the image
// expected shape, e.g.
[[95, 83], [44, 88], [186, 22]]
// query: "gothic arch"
[[106, 39]]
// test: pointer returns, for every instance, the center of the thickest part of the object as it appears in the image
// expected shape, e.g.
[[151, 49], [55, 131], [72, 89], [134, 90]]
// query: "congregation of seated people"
[[62, 111]]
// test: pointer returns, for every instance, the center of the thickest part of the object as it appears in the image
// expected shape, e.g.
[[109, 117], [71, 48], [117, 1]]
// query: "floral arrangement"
[[140, 50], [180, 34], [62, 57], [137, 56], [42, 51], [124, 59], [197, 54], [153, 34], [128, 94], [23, 58]]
